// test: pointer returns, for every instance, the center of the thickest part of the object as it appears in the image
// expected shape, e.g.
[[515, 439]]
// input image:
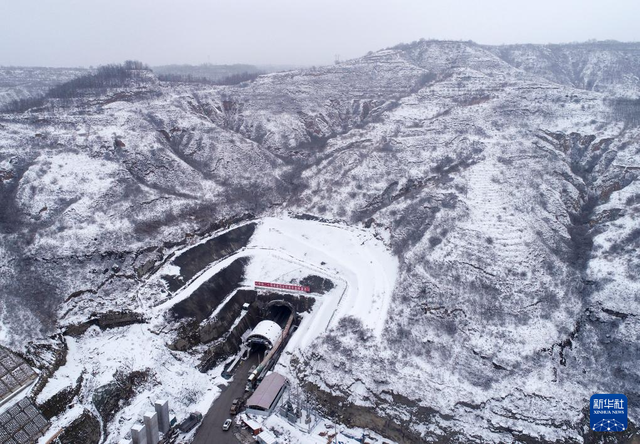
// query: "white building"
[[266, 437]]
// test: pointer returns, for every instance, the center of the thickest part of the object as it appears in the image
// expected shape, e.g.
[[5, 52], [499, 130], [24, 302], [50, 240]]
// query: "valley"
[[464, 215]]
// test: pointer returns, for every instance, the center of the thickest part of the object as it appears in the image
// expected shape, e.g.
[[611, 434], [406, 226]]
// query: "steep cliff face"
[[504, 179]]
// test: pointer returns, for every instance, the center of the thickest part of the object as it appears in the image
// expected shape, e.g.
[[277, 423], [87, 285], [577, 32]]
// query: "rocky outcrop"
[[107, 320], [197, 258], [61, 401], [110, 398], [191, 311], [85, 429]]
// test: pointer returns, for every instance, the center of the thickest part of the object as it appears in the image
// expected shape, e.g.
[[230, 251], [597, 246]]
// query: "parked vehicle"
[[235, 406], [190, 422], [227, 425]]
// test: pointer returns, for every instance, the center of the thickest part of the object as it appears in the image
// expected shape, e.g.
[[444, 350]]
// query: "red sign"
[[283, 286]]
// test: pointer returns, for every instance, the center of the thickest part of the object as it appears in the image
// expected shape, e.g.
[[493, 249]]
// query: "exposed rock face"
[[197, 258], [111, 397], [85, 429], [61, 401], [505, 180], [109, 319]]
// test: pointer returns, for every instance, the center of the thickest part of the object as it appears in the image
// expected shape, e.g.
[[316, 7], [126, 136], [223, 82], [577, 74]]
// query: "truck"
[[190, 422]]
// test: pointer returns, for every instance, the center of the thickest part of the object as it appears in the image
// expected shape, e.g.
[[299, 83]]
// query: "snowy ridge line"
[[224, 302], [166, 265]]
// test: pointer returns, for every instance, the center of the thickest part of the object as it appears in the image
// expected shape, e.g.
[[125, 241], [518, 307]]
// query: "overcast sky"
[[301, 32]]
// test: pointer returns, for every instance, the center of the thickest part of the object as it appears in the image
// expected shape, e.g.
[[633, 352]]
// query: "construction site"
[[255, 387], [208, 356]]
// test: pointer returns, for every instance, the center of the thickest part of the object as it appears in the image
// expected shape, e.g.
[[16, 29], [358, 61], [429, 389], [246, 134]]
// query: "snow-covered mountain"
[[503, 179], [609, 67], [23, 83]]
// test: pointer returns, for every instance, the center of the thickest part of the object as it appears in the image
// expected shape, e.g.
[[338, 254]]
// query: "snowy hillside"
[[496, 187], [23, 83], [609, 67]]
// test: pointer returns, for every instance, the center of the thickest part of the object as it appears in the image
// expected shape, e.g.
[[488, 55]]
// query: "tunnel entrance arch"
[[279, 311], [266, 333]]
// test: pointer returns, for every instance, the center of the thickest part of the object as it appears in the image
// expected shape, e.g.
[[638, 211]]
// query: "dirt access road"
[[210, 430]]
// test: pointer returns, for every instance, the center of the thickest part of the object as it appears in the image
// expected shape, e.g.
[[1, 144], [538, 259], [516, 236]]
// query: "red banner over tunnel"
[[283, 286]]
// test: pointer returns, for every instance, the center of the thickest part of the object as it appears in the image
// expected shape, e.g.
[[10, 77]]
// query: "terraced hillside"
[[503, 179]]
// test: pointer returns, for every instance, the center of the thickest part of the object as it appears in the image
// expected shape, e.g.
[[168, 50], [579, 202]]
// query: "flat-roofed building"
[[254, 426], [266, 437]]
